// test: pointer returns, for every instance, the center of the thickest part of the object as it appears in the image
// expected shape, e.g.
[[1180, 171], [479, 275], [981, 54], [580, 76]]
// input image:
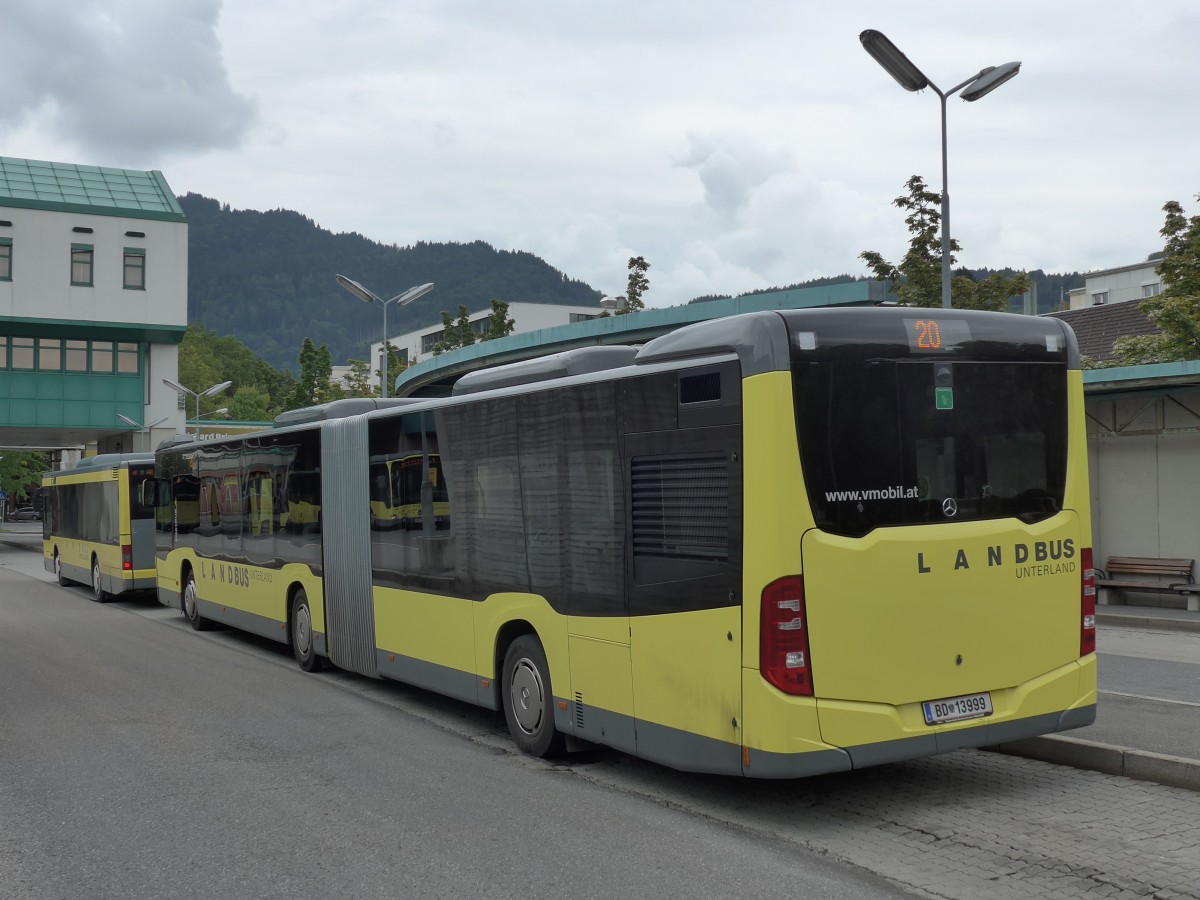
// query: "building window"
[[3, 352], [1151, 290], [49, 354], [77, 356], [102, 356], [135, 269], [582, 317], [5, 259], [429, 341], [81, 264], [480, 326], [22, 353], [1099, 298], [127, 359]]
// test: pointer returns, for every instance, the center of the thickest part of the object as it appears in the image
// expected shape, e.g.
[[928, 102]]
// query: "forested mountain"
[[267, 277]]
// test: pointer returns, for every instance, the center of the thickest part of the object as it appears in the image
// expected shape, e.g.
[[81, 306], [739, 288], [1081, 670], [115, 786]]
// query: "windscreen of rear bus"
[[892, 435], [139, 475]]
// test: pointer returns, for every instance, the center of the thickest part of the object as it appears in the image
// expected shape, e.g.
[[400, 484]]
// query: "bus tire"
[[528, 699], [190, 602], [300, 630], [63, 580], [99, 594]]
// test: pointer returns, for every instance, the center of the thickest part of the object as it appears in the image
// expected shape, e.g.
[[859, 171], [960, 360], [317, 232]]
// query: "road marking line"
[[1144, 697]]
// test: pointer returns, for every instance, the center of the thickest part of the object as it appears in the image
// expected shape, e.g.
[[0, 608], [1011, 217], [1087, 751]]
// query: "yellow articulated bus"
[[97, 529], [775, 545]]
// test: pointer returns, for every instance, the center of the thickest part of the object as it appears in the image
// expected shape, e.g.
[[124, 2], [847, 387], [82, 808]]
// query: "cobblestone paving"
[[966, 825]]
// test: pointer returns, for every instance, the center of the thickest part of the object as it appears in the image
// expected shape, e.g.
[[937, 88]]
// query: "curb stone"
[[1176, 771]]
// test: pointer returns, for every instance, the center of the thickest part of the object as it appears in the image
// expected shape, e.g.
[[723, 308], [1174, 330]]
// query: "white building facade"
[[1120, 285], [93, 305], [415, 345]]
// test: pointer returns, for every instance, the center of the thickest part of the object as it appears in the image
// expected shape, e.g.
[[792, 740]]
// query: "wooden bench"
[[1130, 573]]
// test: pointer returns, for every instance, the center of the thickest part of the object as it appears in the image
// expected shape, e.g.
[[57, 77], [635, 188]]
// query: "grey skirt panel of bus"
[[345, 512]]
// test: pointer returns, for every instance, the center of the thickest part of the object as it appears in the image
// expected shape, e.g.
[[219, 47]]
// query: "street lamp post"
[[210, 392], [909, 77], [403, 299]]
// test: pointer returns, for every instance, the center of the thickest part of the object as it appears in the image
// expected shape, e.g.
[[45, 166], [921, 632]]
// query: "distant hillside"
[[267, 278]]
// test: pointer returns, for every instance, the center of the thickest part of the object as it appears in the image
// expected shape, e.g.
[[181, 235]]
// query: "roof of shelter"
[[96, 190], [1097, 327]]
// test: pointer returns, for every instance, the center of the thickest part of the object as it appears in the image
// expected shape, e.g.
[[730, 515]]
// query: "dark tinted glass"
[[902, 442]]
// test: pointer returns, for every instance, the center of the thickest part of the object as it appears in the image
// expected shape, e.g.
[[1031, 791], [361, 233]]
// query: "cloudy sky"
[[735, 145]]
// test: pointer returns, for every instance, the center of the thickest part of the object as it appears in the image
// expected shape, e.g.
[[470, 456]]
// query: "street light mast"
[[909, 77]]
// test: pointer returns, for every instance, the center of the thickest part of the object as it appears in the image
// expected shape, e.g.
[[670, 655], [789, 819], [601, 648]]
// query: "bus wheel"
[[528, 699], [302, 635], [63, 580], [191, 604], [98, 593]]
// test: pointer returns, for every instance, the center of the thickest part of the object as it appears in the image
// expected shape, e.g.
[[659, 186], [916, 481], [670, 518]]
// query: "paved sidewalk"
[[1113, 759]]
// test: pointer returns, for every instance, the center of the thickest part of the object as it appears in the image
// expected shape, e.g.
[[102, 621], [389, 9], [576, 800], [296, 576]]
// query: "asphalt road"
[[1149, 684], [138, 758]]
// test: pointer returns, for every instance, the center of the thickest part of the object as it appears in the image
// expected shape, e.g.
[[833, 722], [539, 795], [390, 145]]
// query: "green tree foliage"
[[499, 323], [637, 286], [1176, 310], [360, 382], [395, 367], [268, 277], [314, 385], [455, 333], [21, 470], [250, 404], [207, 358], [917, 279]]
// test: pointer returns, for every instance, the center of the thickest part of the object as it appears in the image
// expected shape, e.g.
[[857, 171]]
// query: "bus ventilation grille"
[[700, 388], [578, 710], [681, 506]]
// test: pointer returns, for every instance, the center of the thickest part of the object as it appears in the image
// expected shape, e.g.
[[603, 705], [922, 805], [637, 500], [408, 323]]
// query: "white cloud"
[[130, 82], [734, 147]]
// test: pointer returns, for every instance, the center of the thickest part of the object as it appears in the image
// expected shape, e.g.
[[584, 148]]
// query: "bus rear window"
[[905, 442]]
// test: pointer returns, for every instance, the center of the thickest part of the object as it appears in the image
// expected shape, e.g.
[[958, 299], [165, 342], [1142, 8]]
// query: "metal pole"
[[945, 212], [383, 366]]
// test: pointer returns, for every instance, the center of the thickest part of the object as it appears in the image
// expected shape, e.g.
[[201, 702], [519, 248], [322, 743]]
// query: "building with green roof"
[[93, 305]]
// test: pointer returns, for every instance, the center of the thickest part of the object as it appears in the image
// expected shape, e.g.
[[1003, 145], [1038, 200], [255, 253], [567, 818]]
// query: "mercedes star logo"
[[950, 507]]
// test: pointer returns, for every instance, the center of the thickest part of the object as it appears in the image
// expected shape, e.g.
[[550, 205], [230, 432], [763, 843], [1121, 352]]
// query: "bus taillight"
[[127, 557], [1087, 604], [783, 656]]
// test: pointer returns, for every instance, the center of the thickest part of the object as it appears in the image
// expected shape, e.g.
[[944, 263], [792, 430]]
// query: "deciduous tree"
[[1176, 310], [638, 285], [917, 279]]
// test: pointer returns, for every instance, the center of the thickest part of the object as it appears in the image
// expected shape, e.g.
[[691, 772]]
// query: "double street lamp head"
[[368, 296], [909, 77]]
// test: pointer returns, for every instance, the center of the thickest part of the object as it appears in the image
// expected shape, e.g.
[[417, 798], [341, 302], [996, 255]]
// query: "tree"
[[359, 380], [917, 280], [455, 334], [316, 369], [1176, 310], [250, 404], [498, 324], [206, 358], [638, 285], [20, 470]]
